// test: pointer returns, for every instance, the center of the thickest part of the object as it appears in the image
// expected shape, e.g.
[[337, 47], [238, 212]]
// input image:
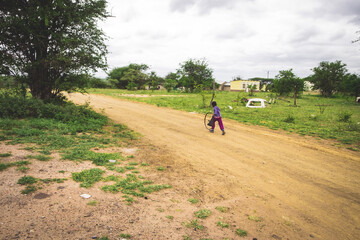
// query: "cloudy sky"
[[246, 38]]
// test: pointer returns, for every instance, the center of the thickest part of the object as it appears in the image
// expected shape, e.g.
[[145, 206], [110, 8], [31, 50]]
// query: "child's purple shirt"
[[217, 111]]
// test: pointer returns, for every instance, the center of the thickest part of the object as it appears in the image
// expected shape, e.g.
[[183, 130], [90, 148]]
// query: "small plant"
[[240, 232], [160, 168], [104, 238], [344, 116], [144, 164], [45, 152], [29, 189], [133, 163], [194, 224], [26, 180], [193, 200], [5, 154], [255, 218], [39, 157], [222, 224], [313, 117], [129, 167], [128, 199], [61, 171], [202, 213], [119, 169], [170, 217], [22, 169], [222, 209], [160, 210], [289, 119], [92, 203], [186, 237], [88, 177], [125, 235], [4, 166]]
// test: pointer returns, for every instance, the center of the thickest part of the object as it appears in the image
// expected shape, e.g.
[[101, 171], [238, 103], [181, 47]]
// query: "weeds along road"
[[312, 186]]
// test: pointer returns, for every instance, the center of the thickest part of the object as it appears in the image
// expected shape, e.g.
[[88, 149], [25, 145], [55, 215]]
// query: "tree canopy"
[[195, 72], [328, 76], [132, 76], [51, 45], [287, 82], [351, 85]]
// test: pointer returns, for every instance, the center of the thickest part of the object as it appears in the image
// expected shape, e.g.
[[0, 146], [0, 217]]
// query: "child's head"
[[213, 103]]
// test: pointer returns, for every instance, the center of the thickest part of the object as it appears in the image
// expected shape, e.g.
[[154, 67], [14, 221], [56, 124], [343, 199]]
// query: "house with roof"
[[225, 86], [244, 85]]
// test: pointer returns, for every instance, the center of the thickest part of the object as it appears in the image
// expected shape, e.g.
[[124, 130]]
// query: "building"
[[225, 86], [244, 85]]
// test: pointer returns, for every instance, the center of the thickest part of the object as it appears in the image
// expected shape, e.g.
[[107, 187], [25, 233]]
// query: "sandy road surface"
[[310, 186]]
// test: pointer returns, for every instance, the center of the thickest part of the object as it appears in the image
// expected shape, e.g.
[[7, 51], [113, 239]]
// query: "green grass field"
[[340, 120]]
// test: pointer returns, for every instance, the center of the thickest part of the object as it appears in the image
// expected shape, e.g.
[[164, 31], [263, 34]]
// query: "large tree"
[[132, 76], [328, 76], [351, 85], [51, 45], [287, 82], [195, 72]]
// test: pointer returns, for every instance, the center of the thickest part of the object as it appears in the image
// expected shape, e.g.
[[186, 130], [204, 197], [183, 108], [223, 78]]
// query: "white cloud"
[[246, 38]]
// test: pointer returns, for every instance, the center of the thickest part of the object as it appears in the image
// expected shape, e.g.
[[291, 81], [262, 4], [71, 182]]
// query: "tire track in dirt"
[[312, 185]]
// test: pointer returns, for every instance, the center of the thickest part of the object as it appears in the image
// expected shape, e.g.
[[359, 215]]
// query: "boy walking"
[[217, 118]]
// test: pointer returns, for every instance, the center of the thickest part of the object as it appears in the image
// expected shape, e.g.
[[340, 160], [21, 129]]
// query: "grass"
[[22, 169], [222, 224], [20, 165], [125, 235], [39, 157], [160, 168], [29, 182], [26, 180], [240, 232], [5, 155], [88, 177], [73, 131], [222, 209], [193, 200], [202, 213], [339, 121], [132, 185], [92, 203], [194, 224], [255, 218]]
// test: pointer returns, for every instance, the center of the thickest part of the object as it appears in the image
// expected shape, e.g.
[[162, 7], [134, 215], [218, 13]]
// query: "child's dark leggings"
[[220, 123]]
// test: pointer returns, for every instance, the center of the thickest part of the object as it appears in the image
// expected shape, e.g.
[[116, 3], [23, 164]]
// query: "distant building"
[[225, 86], [244, 85], [308, 86]]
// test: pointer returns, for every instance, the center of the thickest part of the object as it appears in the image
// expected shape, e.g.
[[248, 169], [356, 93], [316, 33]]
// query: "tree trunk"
[[213, 95], [294, 98]]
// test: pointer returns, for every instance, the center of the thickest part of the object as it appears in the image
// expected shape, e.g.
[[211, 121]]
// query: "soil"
[[275, 185]]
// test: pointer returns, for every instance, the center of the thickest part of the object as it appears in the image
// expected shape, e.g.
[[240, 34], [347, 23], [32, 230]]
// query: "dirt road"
[[309, 187]]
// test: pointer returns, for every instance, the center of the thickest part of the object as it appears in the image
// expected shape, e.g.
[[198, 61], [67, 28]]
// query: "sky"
[[237, 38]]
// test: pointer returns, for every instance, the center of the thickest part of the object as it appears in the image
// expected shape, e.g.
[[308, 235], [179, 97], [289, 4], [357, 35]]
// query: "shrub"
[[27, 180], [289, 119], [344, 116], [203, 213]]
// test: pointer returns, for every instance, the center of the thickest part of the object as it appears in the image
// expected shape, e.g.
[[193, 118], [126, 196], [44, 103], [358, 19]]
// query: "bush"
[[344, 116], [289, 119], [82, 118]]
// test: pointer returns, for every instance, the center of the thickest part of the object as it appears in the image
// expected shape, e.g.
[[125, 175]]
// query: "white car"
[[256, 103]]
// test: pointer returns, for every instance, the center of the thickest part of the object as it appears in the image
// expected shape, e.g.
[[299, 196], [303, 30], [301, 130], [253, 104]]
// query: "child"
[[217, 117]]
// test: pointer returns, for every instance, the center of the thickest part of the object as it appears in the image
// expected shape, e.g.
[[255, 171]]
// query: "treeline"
[[192, 75]]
